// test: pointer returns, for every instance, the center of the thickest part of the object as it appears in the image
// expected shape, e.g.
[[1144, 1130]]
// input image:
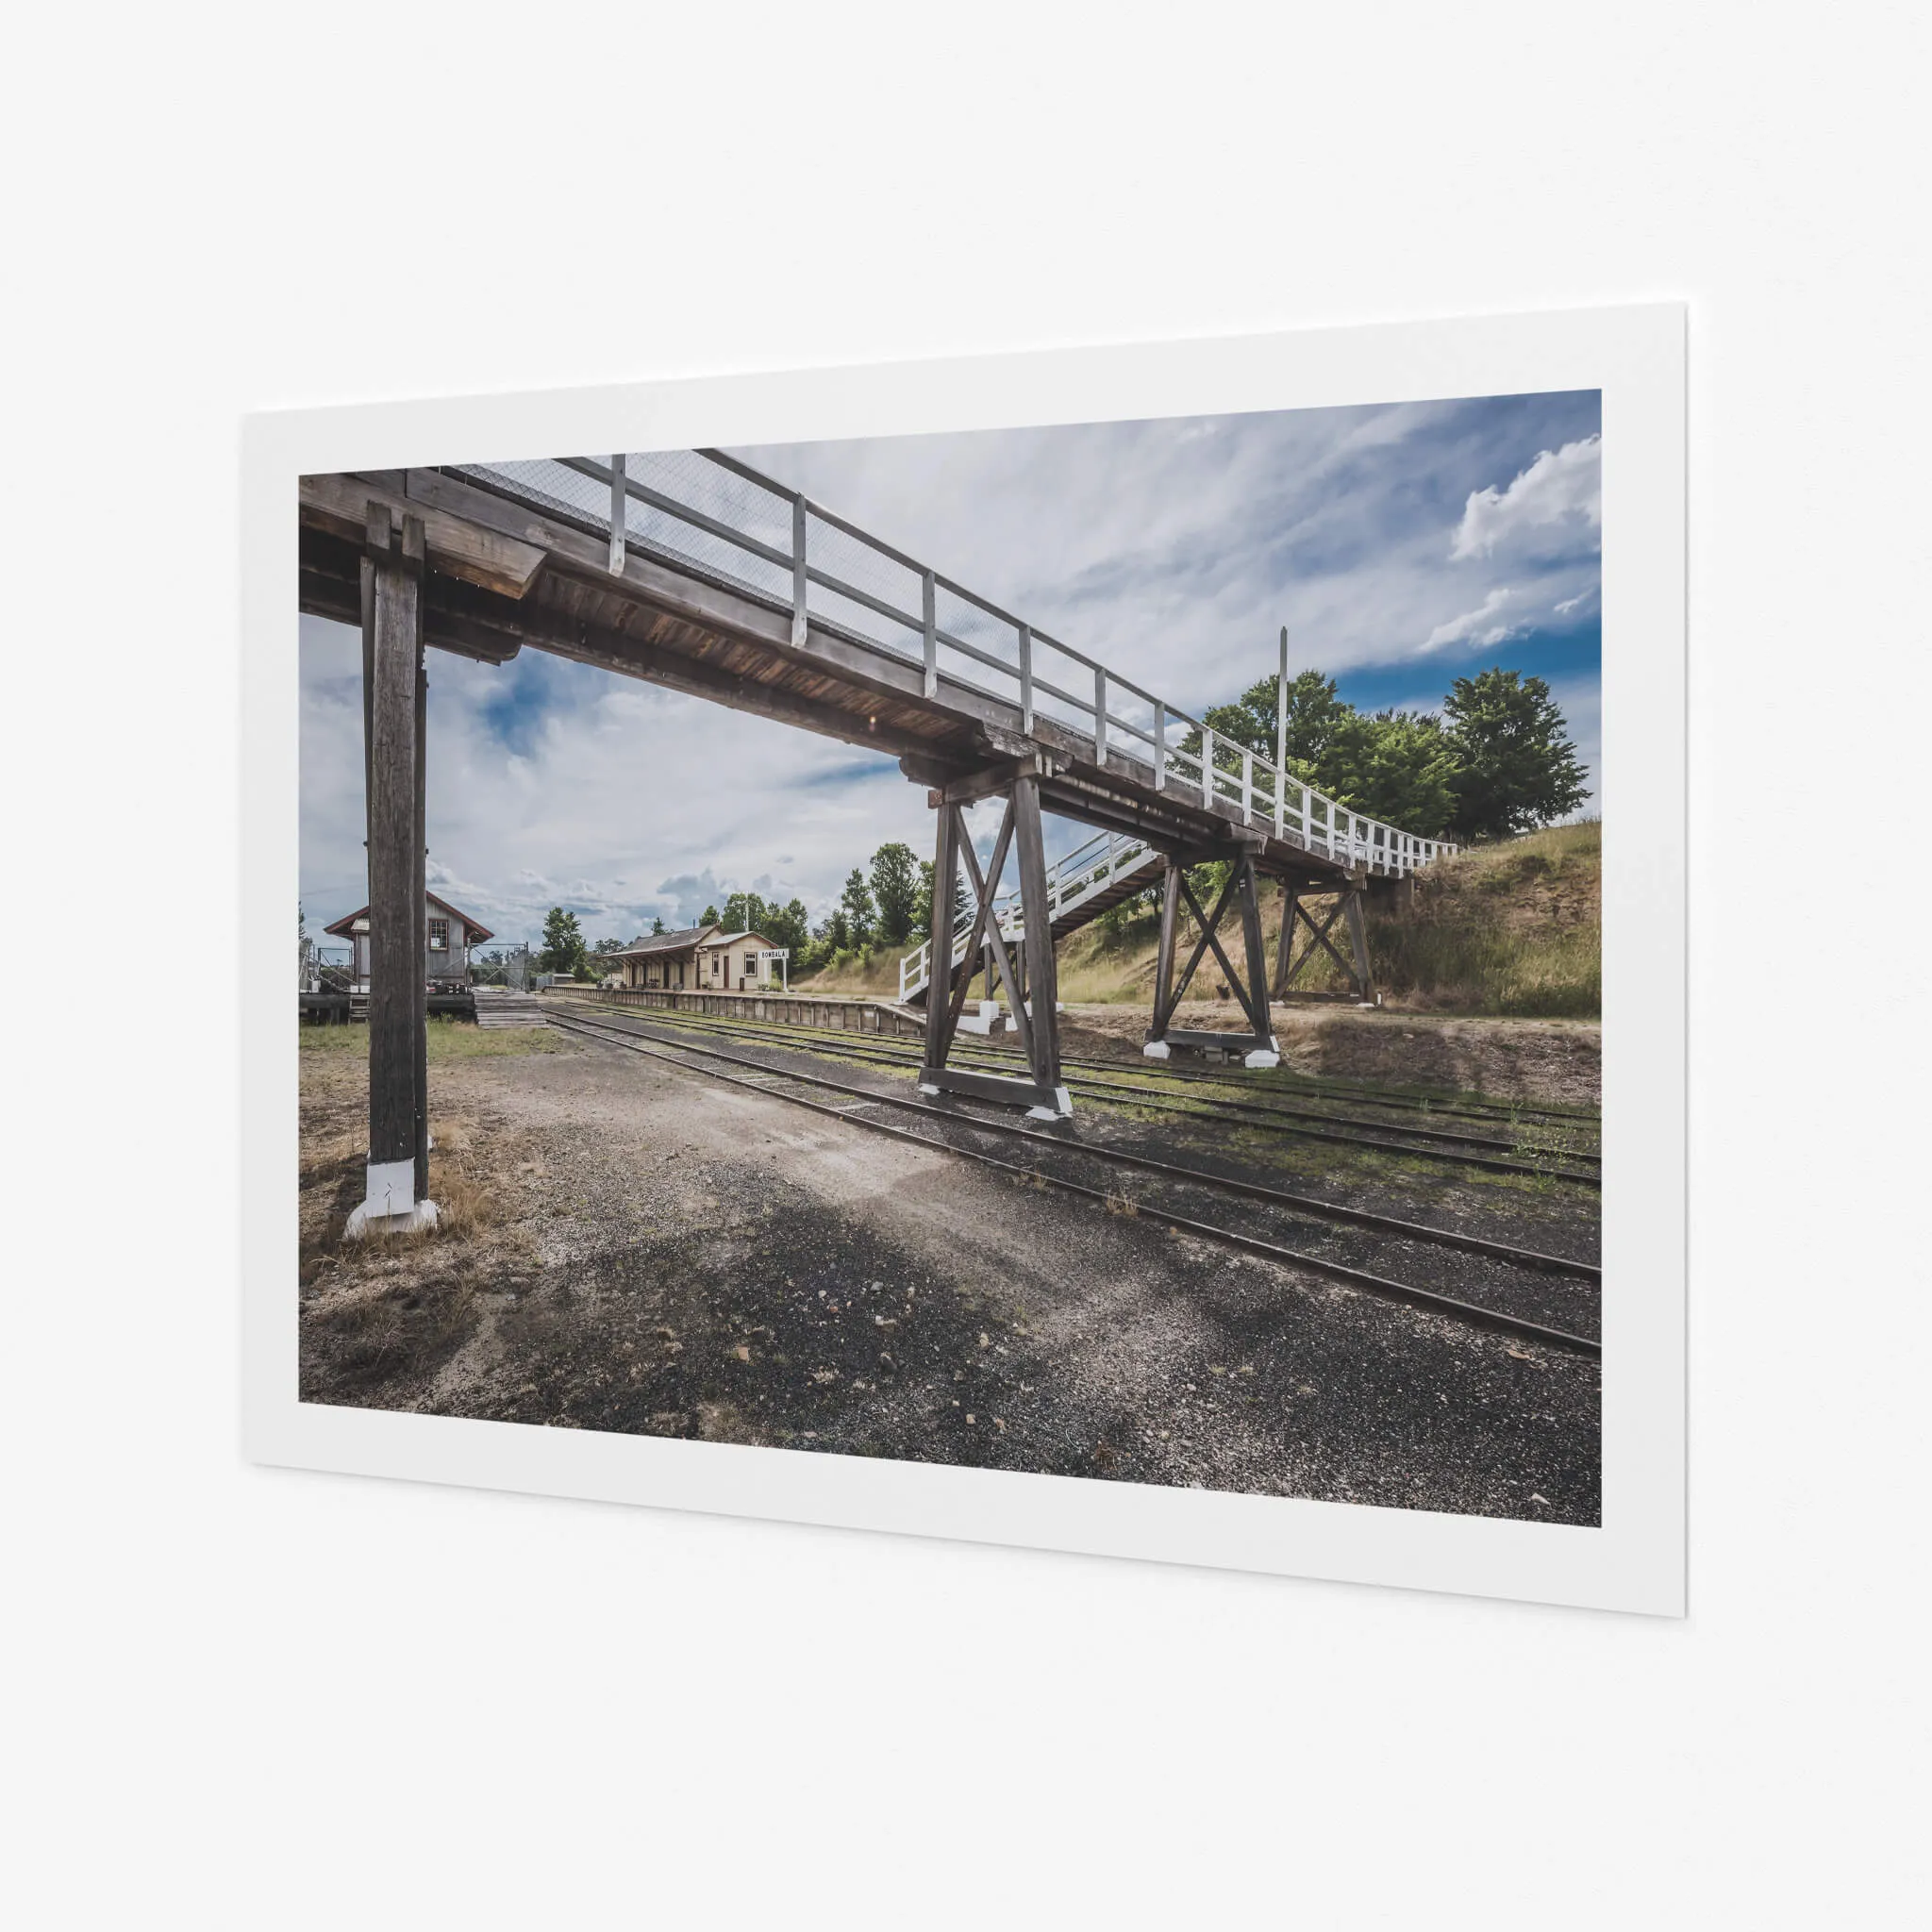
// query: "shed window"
[[439, 935], [751, 962]]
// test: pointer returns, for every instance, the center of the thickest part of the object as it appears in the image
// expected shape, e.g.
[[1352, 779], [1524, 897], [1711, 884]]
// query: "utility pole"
[[1281, 707]]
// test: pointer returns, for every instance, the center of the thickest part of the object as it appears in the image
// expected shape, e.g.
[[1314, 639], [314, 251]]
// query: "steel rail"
[[877, 1049], [1341, 1090], [1410, 1230], [1428, 1299]]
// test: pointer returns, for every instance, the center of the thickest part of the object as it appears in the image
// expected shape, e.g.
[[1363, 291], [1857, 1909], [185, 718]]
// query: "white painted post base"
[[389, 1205], [1262, 1059], [934, 1091], [982, 1022], [1155, 1050], [415, 1220], [1061, 1109]]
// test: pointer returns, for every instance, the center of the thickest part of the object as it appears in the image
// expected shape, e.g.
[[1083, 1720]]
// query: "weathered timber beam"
[[633, 656], [323, 592], [468, 622], [989, 783], [457, 549]]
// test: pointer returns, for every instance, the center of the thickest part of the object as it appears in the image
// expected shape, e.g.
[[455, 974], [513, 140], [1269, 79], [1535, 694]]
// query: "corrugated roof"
[[477, 929], [688, 941], [681, 942]]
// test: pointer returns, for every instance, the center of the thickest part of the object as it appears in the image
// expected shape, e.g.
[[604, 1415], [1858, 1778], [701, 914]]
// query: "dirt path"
[[643, 1250]]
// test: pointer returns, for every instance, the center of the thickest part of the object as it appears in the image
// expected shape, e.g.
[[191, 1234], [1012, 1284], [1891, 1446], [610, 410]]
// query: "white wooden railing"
[[704, 509], [1072, 880]]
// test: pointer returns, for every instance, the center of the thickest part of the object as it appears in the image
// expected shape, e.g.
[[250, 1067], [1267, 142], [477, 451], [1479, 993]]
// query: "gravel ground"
[[640, 1249]]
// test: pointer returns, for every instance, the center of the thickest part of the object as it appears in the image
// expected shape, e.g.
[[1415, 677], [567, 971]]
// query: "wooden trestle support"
[[1256, 1045], [394, 698], [1030, 978], [1347, 907]]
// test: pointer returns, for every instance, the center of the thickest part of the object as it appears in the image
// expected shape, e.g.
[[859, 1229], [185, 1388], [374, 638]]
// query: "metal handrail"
[[1259, 789]]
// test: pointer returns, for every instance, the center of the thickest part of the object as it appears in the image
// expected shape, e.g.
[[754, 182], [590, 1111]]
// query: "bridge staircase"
[[1090, 880]]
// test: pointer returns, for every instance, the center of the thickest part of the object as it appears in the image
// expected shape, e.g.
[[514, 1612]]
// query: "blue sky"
[[1404, 546]]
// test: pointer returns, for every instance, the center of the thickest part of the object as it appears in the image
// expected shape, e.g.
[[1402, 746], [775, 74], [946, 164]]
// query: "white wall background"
[[247, 1698]]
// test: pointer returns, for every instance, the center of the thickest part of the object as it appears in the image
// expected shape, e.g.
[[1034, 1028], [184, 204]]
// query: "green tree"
[[833, 934], [656, 926], [563, 943], [788, 927], [895, 890], [710, 917], [1314, 715], [1398, 766], [856, 903], [922, 908], [745, 912], [1515, 767]]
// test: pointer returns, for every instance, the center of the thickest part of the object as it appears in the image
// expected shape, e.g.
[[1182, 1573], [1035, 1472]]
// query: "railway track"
[[1579, 1166], [1307, 1086], [1528, 1295]]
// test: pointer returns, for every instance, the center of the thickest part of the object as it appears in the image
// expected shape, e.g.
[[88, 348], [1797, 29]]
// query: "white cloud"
[[1172, 550], [1474, 626], [1560, 486]]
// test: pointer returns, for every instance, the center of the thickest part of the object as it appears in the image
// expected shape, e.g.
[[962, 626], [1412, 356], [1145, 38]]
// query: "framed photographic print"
[[1080, 949]]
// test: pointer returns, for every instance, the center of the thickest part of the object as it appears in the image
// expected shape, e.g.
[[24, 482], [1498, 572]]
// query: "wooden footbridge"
[[689, 569]]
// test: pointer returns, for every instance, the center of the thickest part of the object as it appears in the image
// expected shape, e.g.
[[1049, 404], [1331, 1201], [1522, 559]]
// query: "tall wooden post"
[[1248, 888], [1359, 941], [1284, 943], [1164, 969], [420, 903], [938, 976], [392, 624], [1040, 970]]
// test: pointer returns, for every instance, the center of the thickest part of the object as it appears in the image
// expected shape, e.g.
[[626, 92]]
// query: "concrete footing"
[[983, 1020], [416, 1219], [1061, 1109], [1155, 1050]]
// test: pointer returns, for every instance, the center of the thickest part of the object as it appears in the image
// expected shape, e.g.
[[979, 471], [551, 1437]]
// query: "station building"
[[703, 958], [447, 938]]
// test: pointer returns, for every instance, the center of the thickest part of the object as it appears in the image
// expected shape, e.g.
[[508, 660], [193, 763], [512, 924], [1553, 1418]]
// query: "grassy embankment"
[[1510, 929]]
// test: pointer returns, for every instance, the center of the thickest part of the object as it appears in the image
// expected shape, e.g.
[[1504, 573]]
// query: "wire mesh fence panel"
[[504, 966]]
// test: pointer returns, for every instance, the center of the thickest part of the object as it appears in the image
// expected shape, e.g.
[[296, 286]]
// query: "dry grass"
[[449, 1039], [1511, 928], [873, 975], [386, 1326]]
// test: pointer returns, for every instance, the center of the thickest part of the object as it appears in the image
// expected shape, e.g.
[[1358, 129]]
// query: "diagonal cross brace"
[[983, 891], [983, 911], [1210, 937], [1319, 942]]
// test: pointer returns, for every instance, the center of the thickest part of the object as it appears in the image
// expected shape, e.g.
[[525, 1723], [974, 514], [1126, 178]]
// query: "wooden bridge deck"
[[508, 569]]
